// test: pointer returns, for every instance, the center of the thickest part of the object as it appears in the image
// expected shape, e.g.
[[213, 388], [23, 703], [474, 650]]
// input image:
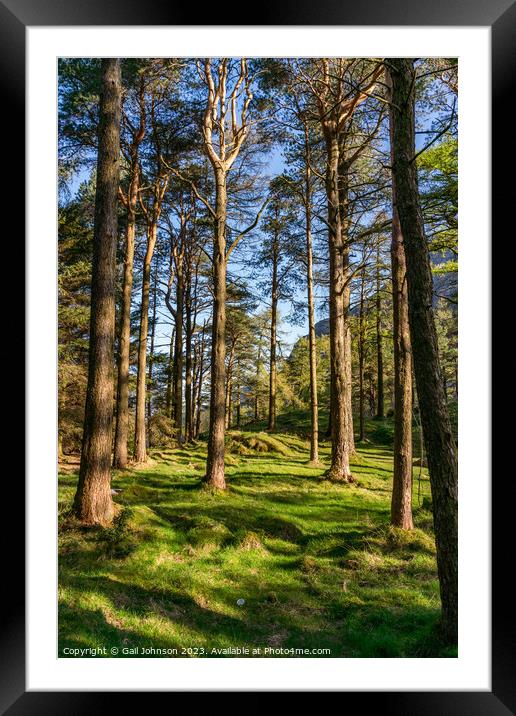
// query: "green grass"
[[317, 563]]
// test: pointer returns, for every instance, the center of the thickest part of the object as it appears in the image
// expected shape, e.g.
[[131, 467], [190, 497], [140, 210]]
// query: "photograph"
[[257, 357]]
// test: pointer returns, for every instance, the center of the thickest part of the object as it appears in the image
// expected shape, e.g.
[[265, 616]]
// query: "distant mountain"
[[444, 285], [322, 327]]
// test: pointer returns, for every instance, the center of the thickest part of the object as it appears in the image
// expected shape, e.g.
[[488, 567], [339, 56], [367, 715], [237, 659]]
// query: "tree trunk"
[[312, 343], [178, 352], [229, 386], [239, 399], [151, 357], [380, 407], [273, 340], [361, 348], [195, 382], [439, 442], [339, 469], [346, 299], [93, 503], [215, 461], [199, 386], [140, 435], [122, 409], [401, 503], [170, 370], [258, 365], [188, 361]]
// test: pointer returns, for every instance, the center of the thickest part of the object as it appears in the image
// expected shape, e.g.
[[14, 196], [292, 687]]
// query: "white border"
[[471, 670]]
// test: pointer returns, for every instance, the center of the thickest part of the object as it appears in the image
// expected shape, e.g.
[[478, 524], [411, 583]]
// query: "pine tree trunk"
[[122, 410], [215, 461], [401, 503], [229, 386], [439, 442], [346, 299], [239, 399], [199, 395], [188, 361], [140, 434], [339, 469], [178, 352], [312, 343], [199, 385], [273, 339], [151, 357], [122, 407], [361, 348], [170, 370], [258, 364], [380, 407], [93, 503]]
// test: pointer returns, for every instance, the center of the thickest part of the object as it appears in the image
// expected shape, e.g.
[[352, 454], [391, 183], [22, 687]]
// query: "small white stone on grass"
[[240, 602]]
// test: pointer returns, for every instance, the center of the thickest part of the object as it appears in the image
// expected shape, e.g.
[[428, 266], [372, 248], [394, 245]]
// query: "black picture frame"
[[500, 15]]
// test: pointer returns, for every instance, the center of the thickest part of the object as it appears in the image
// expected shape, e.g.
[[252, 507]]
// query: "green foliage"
[[297, 371], [74, 255], [438, 168]]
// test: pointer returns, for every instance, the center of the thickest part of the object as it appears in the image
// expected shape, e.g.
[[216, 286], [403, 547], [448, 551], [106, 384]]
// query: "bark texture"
[[188, 360], [271, 426], [380, 405], [215, 462], [151, 358], [178, 348], [122, 402], [361, 357], [140, 434], [339, 291], [93, 503], [401, 503], [131, 201], [227, 116], [312, 343], [439, 442]]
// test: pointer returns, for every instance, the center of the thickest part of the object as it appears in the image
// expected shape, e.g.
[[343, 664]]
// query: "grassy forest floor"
[[317, 563]]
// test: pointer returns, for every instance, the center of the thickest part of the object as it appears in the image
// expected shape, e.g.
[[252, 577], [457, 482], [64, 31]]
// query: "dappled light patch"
[[246, 443], [251, 541], [315, 562]]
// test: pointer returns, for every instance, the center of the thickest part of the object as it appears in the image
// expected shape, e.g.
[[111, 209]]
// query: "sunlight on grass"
[[317, 563]]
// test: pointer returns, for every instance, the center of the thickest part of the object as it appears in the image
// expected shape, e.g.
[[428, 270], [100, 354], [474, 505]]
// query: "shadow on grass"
[[133, 603], [237, 520], [315, 562]]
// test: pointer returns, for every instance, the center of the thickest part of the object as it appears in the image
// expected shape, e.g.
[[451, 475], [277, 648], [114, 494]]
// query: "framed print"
[[258, 421]]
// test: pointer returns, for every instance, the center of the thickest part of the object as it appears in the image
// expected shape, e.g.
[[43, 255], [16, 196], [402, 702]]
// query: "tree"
[[130, 200], [225, 127], [151, 203], [93, 503], [280, 250], [380, 409], [401, 503], [305, 190], [152, 211], [336, 107], [75, 243], [239, 338], [439, 442]]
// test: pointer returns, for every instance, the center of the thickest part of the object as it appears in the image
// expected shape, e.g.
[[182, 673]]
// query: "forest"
[[258, 357]]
